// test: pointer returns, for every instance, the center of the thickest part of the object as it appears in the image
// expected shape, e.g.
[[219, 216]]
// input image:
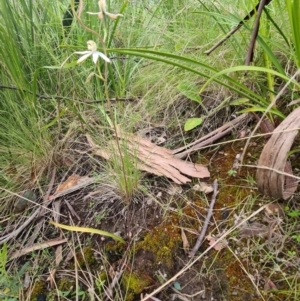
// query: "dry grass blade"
[[38, 246], [271, 181]]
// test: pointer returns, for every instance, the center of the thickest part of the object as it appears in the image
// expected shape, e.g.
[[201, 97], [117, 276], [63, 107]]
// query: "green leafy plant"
[[293, 8], [191, 92], [292, 213], [9, 284], [232, 172]]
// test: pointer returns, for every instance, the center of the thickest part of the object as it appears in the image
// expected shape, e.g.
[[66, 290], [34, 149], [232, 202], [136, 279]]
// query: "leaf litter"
[[146, 158]]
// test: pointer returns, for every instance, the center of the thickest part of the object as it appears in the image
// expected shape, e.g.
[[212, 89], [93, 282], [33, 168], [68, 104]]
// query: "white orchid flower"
[[92, 51], [103, 11]]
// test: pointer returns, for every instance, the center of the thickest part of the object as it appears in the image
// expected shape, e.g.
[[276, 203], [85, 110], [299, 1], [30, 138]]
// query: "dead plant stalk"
[[207, 219]]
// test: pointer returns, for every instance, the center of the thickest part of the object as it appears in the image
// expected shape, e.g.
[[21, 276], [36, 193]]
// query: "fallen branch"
[[213, 136], [207, 219]]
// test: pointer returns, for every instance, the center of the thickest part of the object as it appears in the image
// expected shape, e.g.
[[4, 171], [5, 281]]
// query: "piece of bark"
[[151, 158], [273, 167]]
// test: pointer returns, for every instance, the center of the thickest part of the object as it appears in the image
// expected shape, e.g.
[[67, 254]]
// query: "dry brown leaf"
[[219, 245], [273, 168], [266, 126], [69, 183], [73, 183], [274, 209], [27, 280], [185, 242], [204, 187], [58, 255], [51, 279]]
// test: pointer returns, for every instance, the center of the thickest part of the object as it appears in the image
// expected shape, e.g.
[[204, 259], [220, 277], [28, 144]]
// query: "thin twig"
[[207, 220], [60, 97]]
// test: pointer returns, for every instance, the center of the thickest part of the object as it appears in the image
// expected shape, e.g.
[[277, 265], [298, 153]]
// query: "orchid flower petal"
[[82, 52], [102, 5], [84, 57], [92, 13], [103, 56], [113, 16], [91, 45], [95, 57]]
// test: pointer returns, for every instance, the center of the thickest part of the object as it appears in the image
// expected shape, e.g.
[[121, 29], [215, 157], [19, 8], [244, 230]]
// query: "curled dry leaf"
[[204, 187], [267, 128], [217, 246], [273, 168], [72, 183], [269, 285], [185, 242]]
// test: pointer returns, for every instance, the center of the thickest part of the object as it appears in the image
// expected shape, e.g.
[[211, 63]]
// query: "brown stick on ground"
[[208, 139], [207, 219]]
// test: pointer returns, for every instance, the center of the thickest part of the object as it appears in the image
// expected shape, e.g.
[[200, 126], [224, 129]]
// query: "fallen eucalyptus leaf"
[[88, 230]]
